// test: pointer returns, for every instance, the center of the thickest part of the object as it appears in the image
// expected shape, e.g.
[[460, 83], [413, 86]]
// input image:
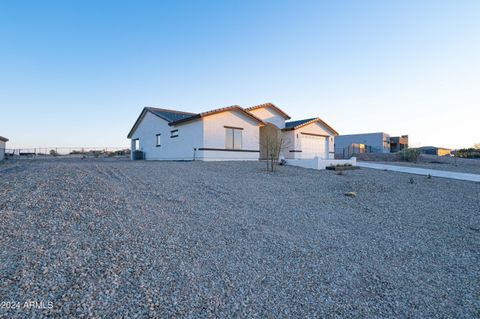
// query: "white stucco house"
[[3, 142], [229, 133]]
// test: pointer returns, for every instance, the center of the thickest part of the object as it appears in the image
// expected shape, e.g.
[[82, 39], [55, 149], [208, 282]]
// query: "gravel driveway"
[[106, 238]]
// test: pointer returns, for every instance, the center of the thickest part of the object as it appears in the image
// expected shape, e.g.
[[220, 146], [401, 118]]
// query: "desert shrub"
[[95, 153], [123, 152], [274, 143], [409, 154], [80, 152], [468, 153]]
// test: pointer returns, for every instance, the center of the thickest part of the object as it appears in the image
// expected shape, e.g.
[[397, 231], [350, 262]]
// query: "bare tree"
[[273, 143]]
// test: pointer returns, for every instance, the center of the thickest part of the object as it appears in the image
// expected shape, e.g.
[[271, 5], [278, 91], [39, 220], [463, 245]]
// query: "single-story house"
[[229, 133], [3, 142], [433, 150]]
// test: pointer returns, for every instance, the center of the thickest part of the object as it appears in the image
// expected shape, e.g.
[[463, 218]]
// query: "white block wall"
[[2, 150], [318, 163]]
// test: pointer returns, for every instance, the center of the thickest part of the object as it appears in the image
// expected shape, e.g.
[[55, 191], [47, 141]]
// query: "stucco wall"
[[193, 136], [2, 150], [214, 136], [190, 136], [289, 138], [269, 115]]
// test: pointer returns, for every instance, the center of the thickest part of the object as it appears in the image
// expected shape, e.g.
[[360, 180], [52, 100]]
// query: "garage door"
[[312, 146]]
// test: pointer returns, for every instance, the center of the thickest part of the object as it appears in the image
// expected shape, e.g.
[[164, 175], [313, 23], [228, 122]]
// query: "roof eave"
[[213, 112], [140, 118], [188, 119], [335, 133], [265, 105]]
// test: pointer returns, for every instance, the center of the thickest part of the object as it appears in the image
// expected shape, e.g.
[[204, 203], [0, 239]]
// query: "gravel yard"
[[110, 238]]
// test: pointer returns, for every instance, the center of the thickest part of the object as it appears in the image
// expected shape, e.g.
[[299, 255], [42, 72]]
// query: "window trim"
[[156, 139], [233, 127]]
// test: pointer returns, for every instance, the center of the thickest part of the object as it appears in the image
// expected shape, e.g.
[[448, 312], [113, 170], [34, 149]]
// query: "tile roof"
[[170, 115], [174, 117], [271, 105], [297, 124], [215, 111], [167, 115], [293, 124]]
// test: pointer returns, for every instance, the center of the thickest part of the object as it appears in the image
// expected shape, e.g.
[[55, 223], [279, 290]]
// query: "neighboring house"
[[3, 142], [230, 133], [348, 145], [373, 142], [398, 143], [432, 150]]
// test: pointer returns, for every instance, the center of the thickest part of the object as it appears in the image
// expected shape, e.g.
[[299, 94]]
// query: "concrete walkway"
[[422, 171]]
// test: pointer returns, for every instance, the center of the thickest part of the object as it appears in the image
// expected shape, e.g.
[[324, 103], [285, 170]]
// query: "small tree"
[[53, 153], [273, 143]]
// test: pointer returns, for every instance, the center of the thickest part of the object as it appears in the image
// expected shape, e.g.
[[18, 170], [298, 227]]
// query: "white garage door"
[[313, 146]]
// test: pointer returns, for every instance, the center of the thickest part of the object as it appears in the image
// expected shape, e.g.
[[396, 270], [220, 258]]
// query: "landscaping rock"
[[109, 238]]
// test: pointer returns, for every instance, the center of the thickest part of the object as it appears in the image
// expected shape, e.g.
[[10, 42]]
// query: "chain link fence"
[[66, 152]]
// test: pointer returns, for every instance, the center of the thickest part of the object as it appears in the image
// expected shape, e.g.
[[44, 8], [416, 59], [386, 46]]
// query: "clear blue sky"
[[78, 73]]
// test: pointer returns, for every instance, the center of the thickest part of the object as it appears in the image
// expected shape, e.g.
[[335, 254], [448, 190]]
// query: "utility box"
[[138, 155]]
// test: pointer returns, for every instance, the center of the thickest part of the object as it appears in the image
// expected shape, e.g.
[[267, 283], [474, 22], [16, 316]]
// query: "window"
[[158, 139], [173, 133], [136, 144], [233, 138]]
